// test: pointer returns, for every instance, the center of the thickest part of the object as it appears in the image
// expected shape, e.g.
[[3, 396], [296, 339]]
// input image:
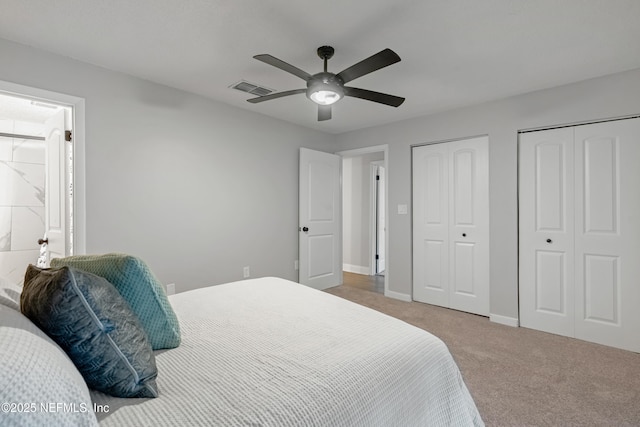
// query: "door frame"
[[368, 150], [77, 106], [373, 214]]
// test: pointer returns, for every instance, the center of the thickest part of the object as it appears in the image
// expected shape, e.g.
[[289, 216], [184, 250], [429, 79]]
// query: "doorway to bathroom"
[[36, 182]]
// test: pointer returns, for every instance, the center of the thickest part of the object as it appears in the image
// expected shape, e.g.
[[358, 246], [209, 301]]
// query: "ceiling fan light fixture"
[[325, 89], [325, 97]]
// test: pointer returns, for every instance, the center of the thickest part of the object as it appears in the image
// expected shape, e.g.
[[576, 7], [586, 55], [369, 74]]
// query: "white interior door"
[[546, 231], [320, 224], [56, 188], [607, 232], [451, 225]]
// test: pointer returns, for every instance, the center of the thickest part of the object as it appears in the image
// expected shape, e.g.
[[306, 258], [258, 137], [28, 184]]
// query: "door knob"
[[42, 241], [305, 229], [549, 241], [464, 234]]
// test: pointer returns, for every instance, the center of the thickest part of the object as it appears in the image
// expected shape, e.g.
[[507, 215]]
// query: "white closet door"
[[469, 225], [607, 231], [580, 233], [431, 224], [451, 225], [546, 231]]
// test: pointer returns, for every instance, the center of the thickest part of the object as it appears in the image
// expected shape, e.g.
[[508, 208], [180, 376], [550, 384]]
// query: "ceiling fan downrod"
[[325, 53]]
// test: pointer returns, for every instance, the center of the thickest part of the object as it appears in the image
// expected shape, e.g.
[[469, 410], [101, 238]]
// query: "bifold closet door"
[[546, 236], [451, 225], [580, 232], [607, 230]]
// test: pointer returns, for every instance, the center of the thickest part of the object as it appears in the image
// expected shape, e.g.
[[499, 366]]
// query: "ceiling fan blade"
[[381, 59], [275, 95], [324, 112], [278, 63], [369, 95]]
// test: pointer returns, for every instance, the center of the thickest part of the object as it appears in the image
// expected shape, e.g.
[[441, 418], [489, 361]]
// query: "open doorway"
[[364, 216], [37, 206]]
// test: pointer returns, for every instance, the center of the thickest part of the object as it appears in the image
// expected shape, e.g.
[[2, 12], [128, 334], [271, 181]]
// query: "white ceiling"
[[454, 52]]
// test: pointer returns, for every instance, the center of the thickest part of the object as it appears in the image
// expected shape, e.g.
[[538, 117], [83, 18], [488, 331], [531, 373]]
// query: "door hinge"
[[377, 256], [67, 135], [377, 177]]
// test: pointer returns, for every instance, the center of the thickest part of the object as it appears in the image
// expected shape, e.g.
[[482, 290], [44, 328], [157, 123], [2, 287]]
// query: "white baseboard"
[[358, 269], [398, 295], [504, 320]]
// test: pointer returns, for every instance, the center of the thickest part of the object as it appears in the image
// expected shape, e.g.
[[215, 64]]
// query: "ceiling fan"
[[326, 88]]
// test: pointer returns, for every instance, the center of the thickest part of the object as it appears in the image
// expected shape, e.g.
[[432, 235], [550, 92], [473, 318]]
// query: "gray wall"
[[196, 188], [199, 189], [605, 97]]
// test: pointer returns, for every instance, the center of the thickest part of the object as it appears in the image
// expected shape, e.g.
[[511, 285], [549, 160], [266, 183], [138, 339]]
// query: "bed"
[[271, 352]]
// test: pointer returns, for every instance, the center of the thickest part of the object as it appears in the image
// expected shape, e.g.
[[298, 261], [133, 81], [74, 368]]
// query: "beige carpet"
[[522, 377]]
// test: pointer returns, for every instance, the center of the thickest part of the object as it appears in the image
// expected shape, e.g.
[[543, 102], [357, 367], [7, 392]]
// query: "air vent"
[[251, 88]]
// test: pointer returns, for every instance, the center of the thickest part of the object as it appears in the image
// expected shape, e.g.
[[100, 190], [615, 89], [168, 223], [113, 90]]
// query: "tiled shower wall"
[[22, 190]]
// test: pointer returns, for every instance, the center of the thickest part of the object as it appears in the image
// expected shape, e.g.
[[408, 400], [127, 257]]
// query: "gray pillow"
[[86, 316]]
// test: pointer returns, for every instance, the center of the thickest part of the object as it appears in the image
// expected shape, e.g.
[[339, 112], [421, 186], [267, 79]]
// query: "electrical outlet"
[[246, 272], [171, 288], [296, 266]]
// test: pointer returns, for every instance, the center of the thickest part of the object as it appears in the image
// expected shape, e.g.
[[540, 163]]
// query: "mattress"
[[270, 352]]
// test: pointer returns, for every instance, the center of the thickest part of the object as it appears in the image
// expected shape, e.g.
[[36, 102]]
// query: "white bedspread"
[[270, 352]]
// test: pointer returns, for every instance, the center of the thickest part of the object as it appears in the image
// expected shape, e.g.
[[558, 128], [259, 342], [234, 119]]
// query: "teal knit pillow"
[[139, 287]]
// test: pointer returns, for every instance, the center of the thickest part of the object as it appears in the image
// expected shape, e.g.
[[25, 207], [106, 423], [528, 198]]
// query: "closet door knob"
[[305, 229], [42, 241], [549, 241], [464, 234]]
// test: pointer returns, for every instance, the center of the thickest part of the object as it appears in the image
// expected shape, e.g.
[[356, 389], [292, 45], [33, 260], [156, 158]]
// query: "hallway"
[[364, 282]]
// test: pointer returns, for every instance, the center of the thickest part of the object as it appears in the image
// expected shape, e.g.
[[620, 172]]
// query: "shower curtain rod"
[[15, 135]]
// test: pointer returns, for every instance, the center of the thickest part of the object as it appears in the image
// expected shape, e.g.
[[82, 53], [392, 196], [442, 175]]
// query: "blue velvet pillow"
[[87, 317], [139, 287]]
